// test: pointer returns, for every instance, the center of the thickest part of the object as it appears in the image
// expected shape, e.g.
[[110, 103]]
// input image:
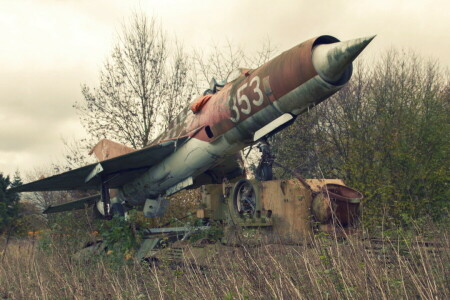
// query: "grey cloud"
[[36, 106]]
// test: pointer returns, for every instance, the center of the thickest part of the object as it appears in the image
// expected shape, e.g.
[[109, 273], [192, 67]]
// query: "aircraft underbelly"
[[191, 159]]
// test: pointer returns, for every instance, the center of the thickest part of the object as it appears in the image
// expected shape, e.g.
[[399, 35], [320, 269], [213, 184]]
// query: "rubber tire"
[[236, 188]]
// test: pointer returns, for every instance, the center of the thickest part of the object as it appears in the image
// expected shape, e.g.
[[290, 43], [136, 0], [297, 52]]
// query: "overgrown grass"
[[322, 268]]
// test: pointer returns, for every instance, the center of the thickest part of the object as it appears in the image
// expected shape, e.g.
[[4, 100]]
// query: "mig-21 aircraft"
[[203, 143]]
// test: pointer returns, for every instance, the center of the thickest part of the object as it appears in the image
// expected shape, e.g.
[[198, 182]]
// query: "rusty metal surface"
[[343, 193], [106, 149], [275, 78], [296, 174], [199, 103], [250, 93], [317, 184], [292, 208], [337, 204], [290, 69], [288, 202]]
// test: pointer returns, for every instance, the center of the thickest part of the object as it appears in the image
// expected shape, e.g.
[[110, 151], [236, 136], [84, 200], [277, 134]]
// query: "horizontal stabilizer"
[[73, 205], [117, 171]]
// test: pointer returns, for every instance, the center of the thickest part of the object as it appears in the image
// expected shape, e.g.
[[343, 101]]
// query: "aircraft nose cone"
[[332, 60]]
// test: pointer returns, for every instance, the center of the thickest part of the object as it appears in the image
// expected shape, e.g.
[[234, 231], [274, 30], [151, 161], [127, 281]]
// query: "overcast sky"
[[49, 47]]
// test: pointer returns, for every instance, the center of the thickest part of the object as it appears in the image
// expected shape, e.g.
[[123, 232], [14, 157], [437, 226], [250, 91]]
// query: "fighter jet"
[[204, 141]]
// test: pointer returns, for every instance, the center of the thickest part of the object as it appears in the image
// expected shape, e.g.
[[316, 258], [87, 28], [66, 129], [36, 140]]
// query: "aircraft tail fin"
[[106, 149]]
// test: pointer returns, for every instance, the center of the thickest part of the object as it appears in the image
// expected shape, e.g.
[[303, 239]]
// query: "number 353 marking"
[[242, 104]]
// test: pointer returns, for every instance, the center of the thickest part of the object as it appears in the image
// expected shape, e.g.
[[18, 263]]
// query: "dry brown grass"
[[321, 269]]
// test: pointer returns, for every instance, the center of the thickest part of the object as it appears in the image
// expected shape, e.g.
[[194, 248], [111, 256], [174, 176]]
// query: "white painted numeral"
[[244, 98], [258, 91], [234, 108], [244, 102]]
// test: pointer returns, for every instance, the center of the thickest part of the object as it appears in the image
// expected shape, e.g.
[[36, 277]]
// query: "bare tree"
[[179, 89], [142, 86], [225, 61]]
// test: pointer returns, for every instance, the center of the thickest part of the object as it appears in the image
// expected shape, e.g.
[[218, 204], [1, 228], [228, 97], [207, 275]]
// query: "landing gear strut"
[[264, 170], [106, 201], [108, 207]]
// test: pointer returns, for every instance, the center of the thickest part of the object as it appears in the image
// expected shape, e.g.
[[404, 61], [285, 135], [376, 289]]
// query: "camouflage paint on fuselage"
[[228, 121], [250, 93]]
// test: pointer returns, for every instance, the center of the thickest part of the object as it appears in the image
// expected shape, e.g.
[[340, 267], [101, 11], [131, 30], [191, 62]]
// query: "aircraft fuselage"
[[290, 83]]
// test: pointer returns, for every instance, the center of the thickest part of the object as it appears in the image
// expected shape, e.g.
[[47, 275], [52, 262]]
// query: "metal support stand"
[[264, 170], [106, 201]]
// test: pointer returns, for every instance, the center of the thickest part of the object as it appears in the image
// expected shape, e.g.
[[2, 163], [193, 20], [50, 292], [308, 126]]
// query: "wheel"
[[244, 198]]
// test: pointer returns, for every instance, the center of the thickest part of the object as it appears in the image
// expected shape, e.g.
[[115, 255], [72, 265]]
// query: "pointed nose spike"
[[332, 60]]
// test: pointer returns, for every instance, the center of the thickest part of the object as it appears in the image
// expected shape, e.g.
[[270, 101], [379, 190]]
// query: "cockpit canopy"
[[215, 85]]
